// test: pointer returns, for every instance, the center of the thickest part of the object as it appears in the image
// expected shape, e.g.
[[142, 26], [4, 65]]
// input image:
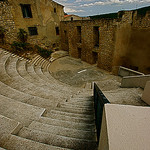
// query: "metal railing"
[[99, 101]]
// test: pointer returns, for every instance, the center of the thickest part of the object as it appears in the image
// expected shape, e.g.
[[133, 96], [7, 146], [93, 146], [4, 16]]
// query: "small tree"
[[21, 44], [2, 34], [22, 36]]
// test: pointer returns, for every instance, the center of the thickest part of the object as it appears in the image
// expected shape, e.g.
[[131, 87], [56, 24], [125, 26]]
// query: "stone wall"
[[7, 21], [46, 17], [132, 42], [86, 48], [122, 42]]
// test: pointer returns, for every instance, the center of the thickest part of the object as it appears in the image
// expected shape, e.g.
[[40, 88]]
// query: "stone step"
[[81, 110], [36, 80], [25, 86], [70, 114], [59, 130], [12, 142], [31, 72], [34, 59], [57, 140], [39, 61], [26, 98], [76, 111], [67, 104], [19, 111], [70, 118], [7, 125], [83, 99], [67, 124], [45, 64], [81, 103]]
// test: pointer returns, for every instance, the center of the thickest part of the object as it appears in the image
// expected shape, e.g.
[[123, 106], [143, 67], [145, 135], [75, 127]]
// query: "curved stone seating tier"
[[19, 83], [39, 112], [35, 80]]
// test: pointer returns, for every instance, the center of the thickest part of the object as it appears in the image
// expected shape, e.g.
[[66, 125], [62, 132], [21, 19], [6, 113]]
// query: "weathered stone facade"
[[42, 16], [122, 41], [7, 21]]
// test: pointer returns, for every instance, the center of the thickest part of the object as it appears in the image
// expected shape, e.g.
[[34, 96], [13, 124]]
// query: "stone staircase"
[[38, 112]]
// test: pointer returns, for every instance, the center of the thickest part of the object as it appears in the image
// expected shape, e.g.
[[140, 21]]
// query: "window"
[[54, 10], [57, 30], [32, 31], [96, 36], [26, 10], [95, 57], [65, 36], [79, 52], [79, 34]]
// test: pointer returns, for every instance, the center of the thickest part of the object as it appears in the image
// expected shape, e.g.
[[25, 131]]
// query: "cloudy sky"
[[95, 7]]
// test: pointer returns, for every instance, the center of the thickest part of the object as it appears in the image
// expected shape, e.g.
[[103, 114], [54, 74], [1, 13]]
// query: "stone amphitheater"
[[39, 112]]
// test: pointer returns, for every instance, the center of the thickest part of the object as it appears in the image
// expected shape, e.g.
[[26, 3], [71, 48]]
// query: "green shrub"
[[43, 52], [19, 46], [22, 36], [2, 34]]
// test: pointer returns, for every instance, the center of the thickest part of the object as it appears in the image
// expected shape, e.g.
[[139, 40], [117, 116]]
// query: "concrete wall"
[[135, 81], [128, 72], [43, 17], [146, 93], [127, 128]]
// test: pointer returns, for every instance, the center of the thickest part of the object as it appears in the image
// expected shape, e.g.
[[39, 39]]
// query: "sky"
[[96, 7]]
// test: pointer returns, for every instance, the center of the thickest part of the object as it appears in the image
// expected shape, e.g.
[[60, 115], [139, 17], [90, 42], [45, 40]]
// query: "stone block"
[[146, 93]]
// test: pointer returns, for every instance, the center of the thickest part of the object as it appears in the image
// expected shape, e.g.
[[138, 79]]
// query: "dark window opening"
[[95, 57], [32, 31], [79, 52], [26, 10], [71, 18], [66, 36], [57, 30], [96, 36], [79, 34], [54, 10]]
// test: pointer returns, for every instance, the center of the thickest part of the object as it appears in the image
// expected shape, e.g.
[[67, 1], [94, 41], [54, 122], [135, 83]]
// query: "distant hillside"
[[140, 12]]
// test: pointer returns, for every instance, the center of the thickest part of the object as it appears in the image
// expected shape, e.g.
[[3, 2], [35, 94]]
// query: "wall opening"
[[71, 18], [54, 10], [79, 34], [26, 10], [57, 30], [32, 31], [95, 57], [79, 52], [66, 36], [96, 36]]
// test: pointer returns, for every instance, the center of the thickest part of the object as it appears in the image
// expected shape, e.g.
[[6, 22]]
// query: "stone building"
[[111, 42], [74, 17], [41, 19]]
